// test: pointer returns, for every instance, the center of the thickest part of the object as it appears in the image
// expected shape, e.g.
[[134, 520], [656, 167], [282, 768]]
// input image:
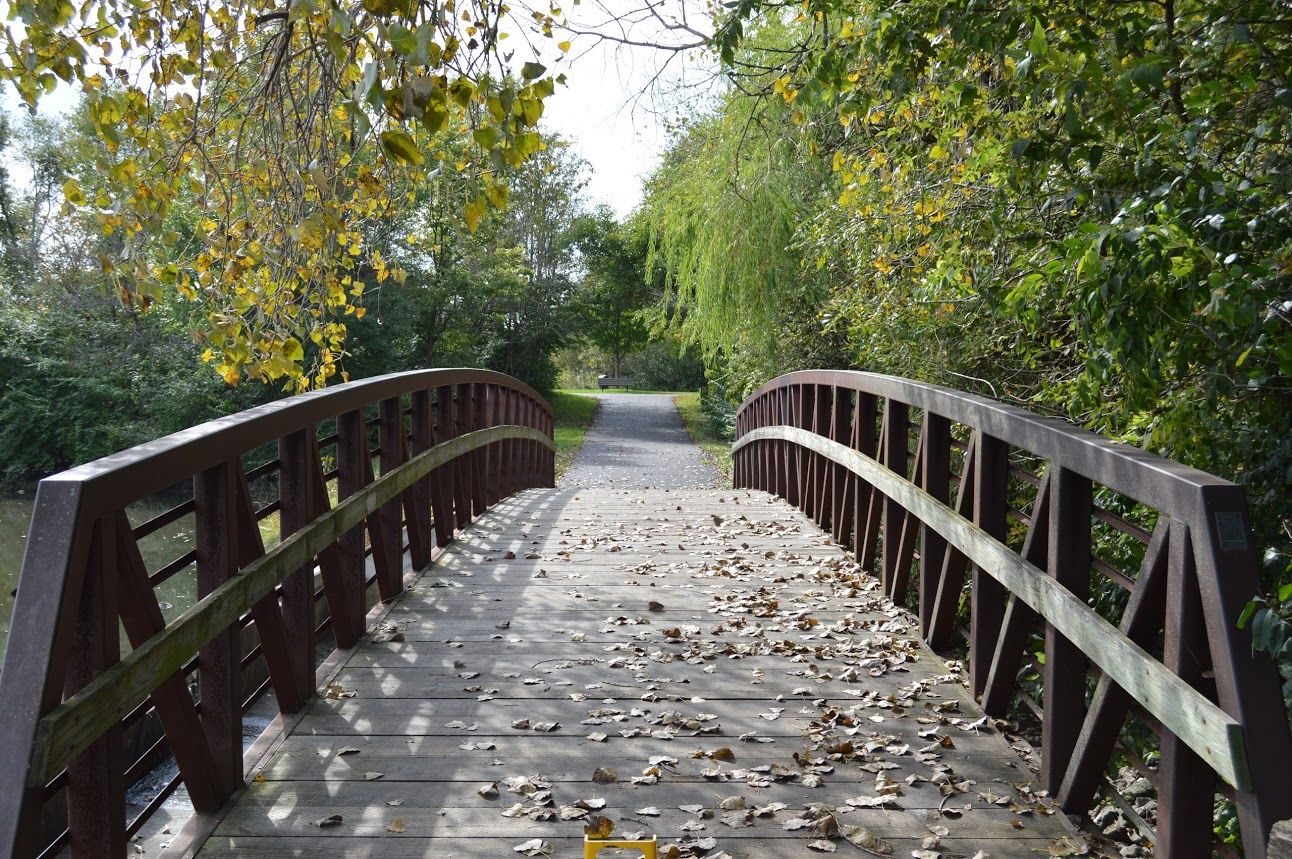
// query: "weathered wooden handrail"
[[67, 695], [816, 438]]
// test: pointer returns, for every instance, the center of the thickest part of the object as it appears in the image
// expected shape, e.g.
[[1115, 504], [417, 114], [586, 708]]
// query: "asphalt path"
[[638, 441]]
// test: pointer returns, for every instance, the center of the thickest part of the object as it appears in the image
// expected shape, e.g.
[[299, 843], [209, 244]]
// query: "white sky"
[[615, 112], [610, 110]]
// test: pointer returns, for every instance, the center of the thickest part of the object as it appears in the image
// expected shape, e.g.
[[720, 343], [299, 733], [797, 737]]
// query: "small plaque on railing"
[[1231, 531]]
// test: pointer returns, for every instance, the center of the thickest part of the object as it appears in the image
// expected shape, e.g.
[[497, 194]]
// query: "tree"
[[246, 148], [613, 292]]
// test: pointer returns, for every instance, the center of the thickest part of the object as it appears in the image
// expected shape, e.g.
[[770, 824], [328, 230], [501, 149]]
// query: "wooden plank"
[[387, 847], [433, 713], [74, 724], [1200, 723]]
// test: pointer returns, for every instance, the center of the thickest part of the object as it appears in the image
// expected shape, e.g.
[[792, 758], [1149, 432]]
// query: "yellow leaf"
[[72, 193]]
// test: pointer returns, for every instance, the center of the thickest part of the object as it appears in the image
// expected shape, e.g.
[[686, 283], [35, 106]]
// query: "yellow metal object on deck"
[[593, 846]]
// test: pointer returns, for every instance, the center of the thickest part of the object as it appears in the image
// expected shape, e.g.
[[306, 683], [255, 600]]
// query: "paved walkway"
[[639, 442]]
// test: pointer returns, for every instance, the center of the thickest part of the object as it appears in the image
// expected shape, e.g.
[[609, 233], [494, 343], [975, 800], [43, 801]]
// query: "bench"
[[604, 381]]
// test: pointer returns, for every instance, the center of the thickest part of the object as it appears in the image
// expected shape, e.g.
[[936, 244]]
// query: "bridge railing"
[[974, 512], [99, 686]]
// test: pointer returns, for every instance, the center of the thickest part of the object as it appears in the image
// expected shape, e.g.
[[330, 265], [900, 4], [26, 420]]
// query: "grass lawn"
[[716, 450], [574, 414]]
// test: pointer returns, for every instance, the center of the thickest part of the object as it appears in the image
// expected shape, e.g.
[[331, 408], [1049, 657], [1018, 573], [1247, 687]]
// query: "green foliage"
[[613, 292], [722, 216], [664, 364], [244, 151], [1080, 209], [82, 376]]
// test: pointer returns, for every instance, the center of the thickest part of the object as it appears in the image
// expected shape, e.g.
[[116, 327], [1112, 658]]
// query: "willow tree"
[[247, 146]]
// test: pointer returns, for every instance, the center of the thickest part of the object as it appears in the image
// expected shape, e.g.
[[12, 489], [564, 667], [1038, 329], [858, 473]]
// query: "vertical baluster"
[[545, 457], [96, 808], [353, 473], [266, 615], [808, 421], [991, 475], [215, 494], [954, 563], [525, 450], [822, 467], [907, 536], [1065, 664], [417, 508], [865, 504], [509, 457], [462, 485], [766, 448], [895, 448], [442, 477], [1186, 785], [491, 454], [739, 459], [1247, 681], [294, 474], [1019, 618], [794, 453], [842, 485], [141, 615], [476, 460], [936, 471], [386, 526], [1142, 622]]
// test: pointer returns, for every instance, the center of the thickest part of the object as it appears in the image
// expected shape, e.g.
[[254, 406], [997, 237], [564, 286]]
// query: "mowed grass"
[[574, 414], [716, 450]]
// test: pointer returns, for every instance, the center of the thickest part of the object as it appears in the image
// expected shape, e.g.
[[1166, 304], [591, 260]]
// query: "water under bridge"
[[920, 623]]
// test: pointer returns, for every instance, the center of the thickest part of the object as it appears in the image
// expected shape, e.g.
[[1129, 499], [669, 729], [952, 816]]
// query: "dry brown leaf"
[[599, 827]]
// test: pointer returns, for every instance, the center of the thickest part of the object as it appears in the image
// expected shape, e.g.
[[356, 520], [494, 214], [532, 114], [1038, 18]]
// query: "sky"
[[613, 113], [613, 109]]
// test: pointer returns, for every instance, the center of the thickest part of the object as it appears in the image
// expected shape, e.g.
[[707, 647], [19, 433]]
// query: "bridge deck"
[[711, 648]]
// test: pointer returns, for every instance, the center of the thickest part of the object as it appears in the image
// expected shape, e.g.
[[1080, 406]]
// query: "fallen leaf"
[[599, 827], [324, 822], [867, 840], [396, 825]]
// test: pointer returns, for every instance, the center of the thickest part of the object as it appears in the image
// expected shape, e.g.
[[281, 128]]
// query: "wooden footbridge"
[[882, 640]]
